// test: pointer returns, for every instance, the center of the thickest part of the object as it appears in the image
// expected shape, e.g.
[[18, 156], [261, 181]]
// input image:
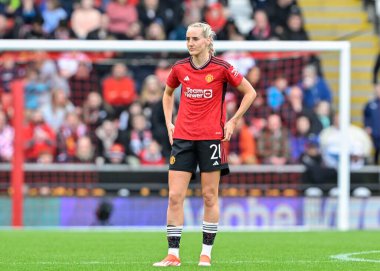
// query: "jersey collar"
[[201, 67]]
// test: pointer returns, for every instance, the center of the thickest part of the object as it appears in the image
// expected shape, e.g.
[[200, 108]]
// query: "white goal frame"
[[342, 47]]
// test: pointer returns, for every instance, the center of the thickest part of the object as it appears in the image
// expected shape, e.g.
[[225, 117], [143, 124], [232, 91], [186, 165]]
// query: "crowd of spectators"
[[81, 110]]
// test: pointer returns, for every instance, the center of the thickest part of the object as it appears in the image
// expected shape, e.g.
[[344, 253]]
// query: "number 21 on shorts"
[[216, 151]]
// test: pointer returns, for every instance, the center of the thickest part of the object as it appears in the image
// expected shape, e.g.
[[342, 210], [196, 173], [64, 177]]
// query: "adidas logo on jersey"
[[216, 163], [186, 78]]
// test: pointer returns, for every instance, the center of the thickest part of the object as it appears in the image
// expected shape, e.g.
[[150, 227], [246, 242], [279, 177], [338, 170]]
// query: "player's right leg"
[[178, 183], [182, 164]]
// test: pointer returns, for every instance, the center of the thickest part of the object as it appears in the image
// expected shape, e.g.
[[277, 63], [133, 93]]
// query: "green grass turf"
[[123, 250]]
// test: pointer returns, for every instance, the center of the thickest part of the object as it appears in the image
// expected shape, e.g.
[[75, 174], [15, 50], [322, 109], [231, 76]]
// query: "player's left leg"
[[210, 185], [212, 164]]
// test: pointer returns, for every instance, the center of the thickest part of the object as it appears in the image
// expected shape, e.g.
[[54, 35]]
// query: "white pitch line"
[[348, 257], [149, 263]]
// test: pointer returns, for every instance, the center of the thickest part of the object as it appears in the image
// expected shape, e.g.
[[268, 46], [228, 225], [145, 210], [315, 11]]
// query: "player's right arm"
[[168, 104]]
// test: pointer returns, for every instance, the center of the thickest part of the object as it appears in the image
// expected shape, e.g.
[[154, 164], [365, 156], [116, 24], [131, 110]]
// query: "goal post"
[[342, 47]]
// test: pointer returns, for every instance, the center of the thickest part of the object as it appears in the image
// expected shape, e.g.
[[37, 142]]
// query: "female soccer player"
[[198, 135]]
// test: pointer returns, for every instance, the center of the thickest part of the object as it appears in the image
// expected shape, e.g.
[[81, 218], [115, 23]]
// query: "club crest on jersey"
[[172, 160], [209, 78]]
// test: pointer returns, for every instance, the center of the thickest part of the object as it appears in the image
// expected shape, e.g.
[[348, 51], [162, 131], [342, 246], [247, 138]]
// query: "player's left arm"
[[249, 95]]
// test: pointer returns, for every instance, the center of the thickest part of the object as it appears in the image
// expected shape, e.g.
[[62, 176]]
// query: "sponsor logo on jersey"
[[198, 93], [209, 78], [186, 78], [172, 160], [216, 163]]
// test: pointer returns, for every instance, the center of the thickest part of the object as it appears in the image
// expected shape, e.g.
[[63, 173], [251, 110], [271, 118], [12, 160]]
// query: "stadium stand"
[[74, 115]]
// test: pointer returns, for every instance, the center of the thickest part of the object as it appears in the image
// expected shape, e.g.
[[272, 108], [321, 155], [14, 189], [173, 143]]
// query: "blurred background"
[[94, 135]]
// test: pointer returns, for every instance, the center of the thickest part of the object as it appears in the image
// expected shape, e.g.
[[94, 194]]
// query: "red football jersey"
[[202, 111]]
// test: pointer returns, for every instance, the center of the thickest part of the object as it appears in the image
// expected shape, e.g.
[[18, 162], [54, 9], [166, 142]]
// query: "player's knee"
[[209, 198], [175, 199]]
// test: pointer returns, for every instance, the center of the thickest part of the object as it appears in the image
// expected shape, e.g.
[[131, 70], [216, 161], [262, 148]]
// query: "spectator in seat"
[[138, 138], [293, 108], [39, 137], [71, 130], [116, 154], [278, 13], [191, 15], [62, 31], [95, 111], [230, 31], [215, 16], [155, 31], [241, 148], [321, 117], [134, 32], [106, 136], [372, 122], [45, 157], [253, 76], [119, 88], [36, 30], [273, 143], [294, 29], [52, 15], [262, 29], [243, 61], [5, 32], [36, 91], [168, 13], [299, 140], [49, 73], [276, 92], [26, 14], [331, 140], [101, 33], [85, 19], [162, 71], [314, 87], [151, 93], [85, 151], [158, 128], [6, 139], [84, 81], [241, 12], [121, 15], [9, 71], [125, 117], [257, 116], [151, 154], [316, 172], [54, 112]]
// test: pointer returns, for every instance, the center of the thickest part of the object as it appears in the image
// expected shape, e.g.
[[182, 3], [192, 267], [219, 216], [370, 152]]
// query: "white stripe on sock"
[[210, 227], [174, 231]]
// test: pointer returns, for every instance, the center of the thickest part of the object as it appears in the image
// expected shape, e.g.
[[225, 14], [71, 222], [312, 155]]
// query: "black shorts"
[[208, 154]]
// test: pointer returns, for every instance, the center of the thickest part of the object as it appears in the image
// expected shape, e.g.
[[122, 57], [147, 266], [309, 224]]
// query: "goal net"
[[100, 101]]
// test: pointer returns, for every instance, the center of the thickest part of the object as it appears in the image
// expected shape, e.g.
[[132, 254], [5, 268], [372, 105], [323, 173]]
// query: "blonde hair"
[[207, 33]]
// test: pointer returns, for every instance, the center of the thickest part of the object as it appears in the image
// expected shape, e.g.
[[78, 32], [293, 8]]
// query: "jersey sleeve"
[[172, 80], [234, 77]]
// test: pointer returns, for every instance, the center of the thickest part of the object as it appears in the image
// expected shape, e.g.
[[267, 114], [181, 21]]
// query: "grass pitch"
[[124, 250]]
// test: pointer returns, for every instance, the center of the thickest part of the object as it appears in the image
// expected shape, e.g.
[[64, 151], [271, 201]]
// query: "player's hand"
[[229, 128], [170, 128]]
